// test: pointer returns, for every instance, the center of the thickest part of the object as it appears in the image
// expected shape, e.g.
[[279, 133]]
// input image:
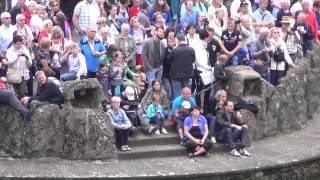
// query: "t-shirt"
[[230, 40], [177, 103]]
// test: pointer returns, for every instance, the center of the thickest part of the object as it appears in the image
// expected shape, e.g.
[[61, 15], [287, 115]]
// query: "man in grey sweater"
[[152, 54]]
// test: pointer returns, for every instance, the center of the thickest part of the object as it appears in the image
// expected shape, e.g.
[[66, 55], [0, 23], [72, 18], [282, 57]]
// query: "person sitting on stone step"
[[232, 129], [120, 123], [155, 115], [48, 93], [184, 112], [196, 131], [129, 103]]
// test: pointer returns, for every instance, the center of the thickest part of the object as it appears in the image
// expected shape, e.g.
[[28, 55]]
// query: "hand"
[[239, 116], [201, 141], [95, 53], [3, 79], [78, 78], [126, 107], [25, 100]]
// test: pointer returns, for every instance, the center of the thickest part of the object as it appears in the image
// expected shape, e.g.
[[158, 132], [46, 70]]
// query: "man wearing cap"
[[261, 14], [244, 10], [284, 11], [291, 37], [235, 5], [129, 103]]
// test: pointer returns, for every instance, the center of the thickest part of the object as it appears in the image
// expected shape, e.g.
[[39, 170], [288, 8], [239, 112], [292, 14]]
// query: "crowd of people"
[[155, 59]]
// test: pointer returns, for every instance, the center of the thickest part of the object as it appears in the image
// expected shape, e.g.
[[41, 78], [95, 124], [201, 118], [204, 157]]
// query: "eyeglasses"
[[7, 18], [98, 23], [276, 32]]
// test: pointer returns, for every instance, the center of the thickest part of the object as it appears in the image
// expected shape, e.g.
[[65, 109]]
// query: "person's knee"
[[245, 128]]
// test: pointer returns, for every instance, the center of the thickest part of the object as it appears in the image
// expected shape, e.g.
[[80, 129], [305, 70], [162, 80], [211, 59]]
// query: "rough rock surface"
[[80, 130], [285, 107]]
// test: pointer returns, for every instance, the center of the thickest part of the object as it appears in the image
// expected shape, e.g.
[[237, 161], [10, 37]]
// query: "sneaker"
[[182, 142], [235, 153], [191, 155], [213, 140], [244, 152], [164, 131], [207, 154], [157, 132], [152, 129]]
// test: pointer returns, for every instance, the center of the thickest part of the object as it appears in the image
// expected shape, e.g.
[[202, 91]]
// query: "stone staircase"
[[144, 146]]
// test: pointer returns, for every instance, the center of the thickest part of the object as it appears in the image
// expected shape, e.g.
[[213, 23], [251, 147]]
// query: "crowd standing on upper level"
[[155, 59]]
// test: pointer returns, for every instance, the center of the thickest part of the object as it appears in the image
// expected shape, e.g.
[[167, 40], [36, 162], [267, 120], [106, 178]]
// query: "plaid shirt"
[[291, 42], [82, 10]]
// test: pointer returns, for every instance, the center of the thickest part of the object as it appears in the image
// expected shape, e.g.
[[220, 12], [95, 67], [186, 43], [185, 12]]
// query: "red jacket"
[[312, 21], [134, 10], [28, 17]]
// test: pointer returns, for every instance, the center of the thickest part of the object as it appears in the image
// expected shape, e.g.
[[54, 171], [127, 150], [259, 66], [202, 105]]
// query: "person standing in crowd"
[[127, 45], [48, 92], [311, 19], [197, 7], [152, 55], [188, 17], [167, 66], [23, 29], [291, 37], [31, 11], [196, 131], [7, 97], [305, 31], [18, 61], [284, 11], [163, 8], [54, 7], [244, 11], [85, 13], [216, 4], [235, 5], [231, 128], [192, 38], [181, 75], [263, 15], [219, 24], [134, 10], [139, 35], [280, 56], [123, 11], [18, 8], [92, 50], [113, 21], [231, 42], [6, 30], [120, 123], [219, 74], [143, 18], [213, 47]]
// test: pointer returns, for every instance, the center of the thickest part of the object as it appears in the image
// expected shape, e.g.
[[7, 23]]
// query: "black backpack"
[[278, 55]]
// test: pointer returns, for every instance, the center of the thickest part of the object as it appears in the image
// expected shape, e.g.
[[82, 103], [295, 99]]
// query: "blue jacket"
[[201, 123], [152, 110], [91, 61]]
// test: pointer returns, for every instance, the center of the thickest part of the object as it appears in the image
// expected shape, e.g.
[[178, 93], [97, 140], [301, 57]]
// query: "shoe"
[[152, 129], [182, 142], [213, 140], [244, 152], [235, 153], [157, 133], [206, 154], [191, 155], [164, 131]]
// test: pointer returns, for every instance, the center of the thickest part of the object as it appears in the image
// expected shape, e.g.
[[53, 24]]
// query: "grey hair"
[[38, 73], [4, 14], [115, 99], [19, 16], [219, 93], [125, 26]]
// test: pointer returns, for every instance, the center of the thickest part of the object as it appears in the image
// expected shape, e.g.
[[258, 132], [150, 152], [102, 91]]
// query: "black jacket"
[[166, 62], [49, 92], [219, 74], [223, 121], [182, 58]]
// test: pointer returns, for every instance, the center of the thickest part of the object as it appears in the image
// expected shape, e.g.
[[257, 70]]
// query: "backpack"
[[278, 55]]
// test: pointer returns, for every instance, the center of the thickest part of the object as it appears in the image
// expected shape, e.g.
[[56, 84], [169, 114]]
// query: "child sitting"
[[184, 112], [155, 114]]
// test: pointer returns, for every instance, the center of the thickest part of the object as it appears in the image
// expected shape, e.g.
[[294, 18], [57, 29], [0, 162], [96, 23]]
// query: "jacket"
[[147, 99], [223, 121], [148, 54], [48, 92], [120, 43], [182, 55]]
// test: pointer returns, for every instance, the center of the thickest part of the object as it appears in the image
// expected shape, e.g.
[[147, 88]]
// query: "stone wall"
[[80, 130], [285, 107]]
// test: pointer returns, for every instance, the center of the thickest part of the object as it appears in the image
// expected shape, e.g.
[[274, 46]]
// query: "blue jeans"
[[159, 119], [233, 61], [212, 124], [167, 86], [152, 74], [230, 135], [178, 85], [68, 76]]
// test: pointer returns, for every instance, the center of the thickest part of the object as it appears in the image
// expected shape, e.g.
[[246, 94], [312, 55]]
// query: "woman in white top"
[[219, 24], [280, 56], [216, 4]]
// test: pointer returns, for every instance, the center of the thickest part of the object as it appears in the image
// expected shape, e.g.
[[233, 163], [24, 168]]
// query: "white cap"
[[130, 93]]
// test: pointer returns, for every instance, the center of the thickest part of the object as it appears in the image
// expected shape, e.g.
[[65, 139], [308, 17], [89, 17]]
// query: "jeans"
[[121, 136], [152, 74], [178, 85], [159, 119], [212, 124], [7, 97], [275, 75], [167, 87], [68, 76], [230, 135]]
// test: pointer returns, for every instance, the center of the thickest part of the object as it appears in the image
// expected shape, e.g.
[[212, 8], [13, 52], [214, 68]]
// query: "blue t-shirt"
[[176, 105]]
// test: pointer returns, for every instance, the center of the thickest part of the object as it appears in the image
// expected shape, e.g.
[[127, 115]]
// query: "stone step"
[[143, 140], [163, 150]]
